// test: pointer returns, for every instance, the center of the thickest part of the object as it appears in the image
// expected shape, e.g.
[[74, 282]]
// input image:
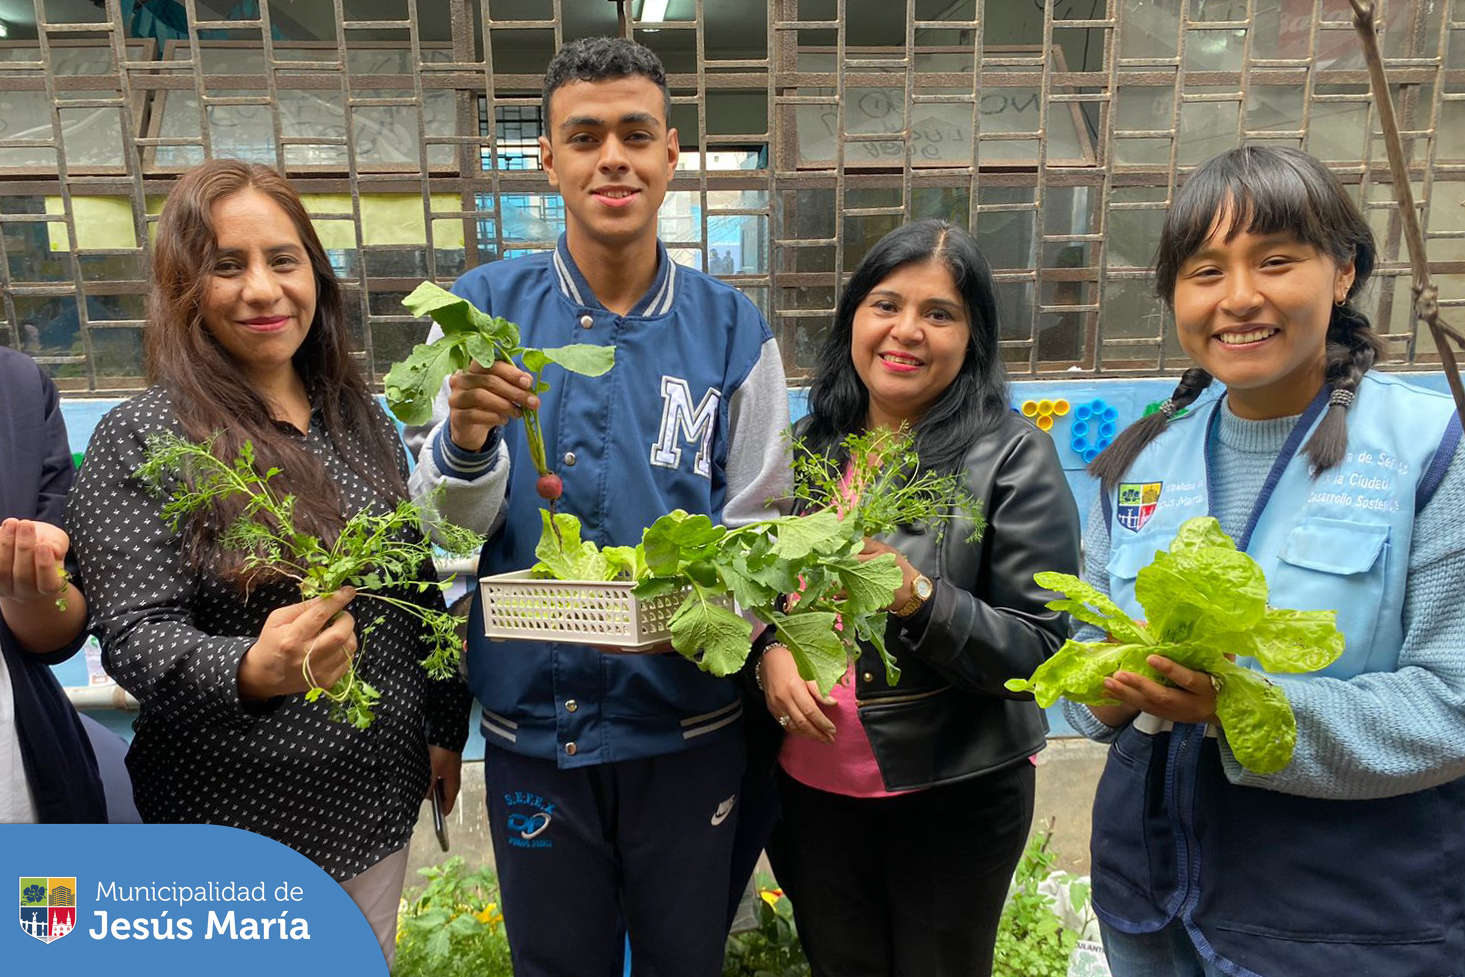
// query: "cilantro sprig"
[[834, 599], [381, 554], [1203, 600]]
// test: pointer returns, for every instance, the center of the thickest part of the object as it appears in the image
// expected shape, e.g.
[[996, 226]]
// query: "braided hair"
[[1266, 190]]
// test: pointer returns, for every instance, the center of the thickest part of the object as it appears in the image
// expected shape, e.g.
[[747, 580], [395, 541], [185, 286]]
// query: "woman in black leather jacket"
[[906, 808]]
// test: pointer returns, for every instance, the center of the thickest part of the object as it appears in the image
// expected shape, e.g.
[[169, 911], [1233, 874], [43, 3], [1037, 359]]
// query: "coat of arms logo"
[[47, 906], [1137, 503]]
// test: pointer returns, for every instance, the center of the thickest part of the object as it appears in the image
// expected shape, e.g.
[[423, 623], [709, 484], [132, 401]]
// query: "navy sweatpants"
[[644, 844]]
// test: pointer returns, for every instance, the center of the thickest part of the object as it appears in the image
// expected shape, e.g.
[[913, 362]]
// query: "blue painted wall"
[[1073, 430]]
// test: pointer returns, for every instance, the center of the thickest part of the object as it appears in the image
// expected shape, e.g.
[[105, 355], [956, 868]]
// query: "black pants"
[[585, 855], [904, 886]]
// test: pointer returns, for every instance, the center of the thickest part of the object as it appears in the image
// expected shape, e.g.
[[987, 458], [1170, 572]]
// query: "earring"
[[1341, 302]]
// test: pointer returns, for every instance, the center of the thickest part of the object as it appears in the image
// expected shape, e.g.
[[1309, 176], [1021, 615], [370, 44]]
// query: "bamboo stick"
[[1426, 292]]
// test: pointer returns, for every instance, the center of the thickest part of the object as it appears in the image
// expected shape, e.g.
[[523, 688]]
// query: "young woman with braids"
[[1344, 486], [247, 337]]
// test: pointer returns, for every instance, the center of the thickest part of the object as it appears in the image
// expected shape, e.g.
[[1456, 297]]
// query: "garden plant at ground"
[[453, 927]]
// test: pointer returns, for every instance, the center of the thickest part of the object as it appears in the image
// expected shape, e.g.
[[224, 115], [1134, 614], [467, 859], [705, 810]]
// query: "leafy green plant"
[[469, 335], [377, 553], [1203, 599], [772, 949], [837, 598], [1031, 939], [883, 487], [453, 927], [65, 575]]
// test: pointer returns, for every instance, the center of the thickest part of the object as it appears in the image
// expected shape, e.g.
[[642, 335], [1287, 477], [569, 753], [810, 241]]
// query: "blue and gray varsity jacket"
[[692, 416]]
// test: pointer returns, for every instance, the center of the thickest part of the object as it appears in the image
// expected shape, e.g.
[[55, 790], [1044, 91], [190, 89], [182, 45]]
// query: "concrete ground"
[[1068, 770]]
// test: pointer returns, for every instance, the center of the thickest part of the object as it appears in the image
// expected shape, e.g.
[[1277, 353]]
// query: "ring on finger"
[[784, 720]]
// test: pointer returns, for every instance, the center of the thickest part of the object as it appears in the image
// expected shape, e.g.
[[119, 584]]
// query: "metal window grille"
[[1056, 130]]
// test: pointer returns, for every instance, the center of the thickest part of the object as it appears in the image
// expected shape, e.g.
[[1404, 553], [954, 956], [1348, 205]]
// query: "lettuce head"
[[1203, 599]]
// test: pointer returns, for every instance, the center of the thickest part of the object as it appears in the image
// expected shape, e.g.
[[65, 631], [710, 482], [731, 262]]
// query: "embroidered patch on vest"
[[1137, 502]]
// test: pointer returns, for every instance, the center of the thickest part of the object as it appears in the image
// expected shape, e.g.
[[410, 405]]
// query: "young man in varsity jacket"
[[612, 780]]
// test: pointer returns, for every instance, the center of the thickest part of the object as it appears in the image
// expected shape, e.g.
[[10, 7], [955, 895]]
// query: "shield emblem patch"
[[1137, 502], [47, 906]]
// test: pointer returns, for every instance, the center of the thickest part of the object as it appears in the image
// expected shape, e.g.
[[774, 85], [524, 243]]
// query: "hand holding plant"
[[472, 336], [874, 549], [481, 398], [379, 556], [842, 597], [32, 555], [1205, 602], [302, 645], [1180, 695], [787, 693]]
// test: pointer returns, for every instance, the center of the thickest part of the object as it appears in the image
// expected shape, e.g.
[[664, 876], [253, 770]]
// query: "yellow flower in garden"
[[490, 914], [771, 896]]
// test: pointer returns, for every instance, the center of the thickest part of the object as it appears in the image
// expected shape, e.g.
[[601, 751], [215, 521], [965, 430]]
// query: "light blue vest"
[[1265, 882]]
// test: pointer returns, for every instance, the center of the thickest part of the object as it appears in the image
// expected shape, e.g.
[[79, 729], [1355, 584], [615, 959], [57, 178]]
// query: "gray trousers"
[[377, 892]]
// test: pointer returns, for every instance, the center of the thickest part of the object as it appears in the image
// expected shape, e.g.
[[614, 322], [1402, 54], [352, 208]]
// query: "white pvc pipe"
[[446, 566], [101, 698]]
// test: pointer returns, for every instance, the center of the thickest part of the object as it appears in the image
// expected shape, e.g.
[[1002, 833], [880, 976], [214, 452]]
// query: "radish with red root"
[[472, 335]]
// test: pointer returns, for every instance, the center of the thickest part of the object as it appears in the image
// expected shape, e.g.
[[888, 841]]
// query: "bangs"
[[1263, 191], [1274, 200]]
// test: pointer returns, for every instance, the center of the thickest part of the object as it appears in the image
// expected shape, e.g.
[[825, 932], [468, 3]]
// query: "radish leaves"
[[469, 335], [833, 597]]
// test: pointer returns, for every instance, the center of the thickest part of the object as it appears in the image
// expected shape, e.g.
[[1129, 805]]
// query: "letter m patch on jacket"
[[681, 422]]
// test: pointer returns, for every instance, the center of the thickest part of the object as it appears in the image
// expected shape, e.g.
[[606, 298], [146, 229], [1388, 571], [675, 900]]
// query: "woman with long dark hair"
[[906, 807], [247, 341], [1343, 485]]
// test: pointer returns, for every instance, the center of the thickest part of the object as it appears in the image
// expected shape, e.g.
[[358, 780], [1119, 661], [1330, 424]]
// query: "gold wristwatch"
[[921, 590]]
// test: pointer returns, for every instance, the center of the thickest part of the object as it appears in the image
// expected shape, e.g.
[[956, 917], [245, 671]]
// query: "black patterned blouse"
[[173, 637]]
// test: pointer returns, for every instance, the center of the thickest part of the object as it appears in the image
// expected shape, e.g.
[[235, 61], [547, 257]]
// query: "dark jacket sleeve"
[[59, 764], [56, 475], [992, 625], [56, 467]]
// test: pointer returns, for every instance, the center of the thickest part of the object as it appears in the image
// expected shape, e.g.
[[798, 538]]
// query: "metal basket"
[[515, 605]]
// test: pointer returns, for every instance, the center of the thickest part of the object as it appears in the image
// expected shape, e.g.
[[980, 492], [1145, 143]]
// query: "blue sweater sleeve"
[[1386, 733]]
